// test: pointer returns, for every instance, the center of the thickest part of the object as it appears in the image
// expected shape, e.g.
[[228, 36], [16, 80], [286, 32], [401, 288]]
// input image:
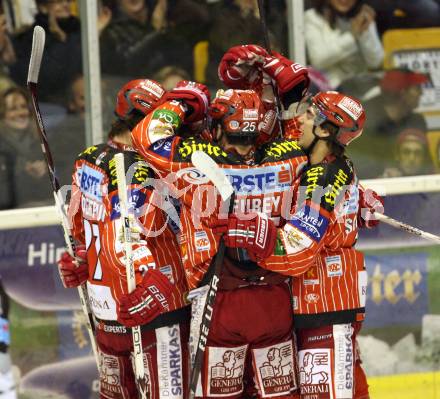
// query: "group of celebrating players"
[[292, 289]]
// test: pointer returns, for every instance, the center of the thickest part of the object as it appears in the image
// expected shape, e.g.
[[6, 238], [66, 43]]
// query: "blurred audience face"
[[342, 6], [58, 8], [170, 75], [412, 152], [77, 100], [411, 97], [131, 7], [248, 5], [16, 111], [170, 81]]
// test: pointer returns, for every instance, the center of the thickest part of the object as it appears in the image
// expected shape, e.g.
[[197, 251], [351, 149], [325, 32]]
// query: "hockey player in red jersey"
[[316, 246], [158, 302], [331, 292], [251, 328]]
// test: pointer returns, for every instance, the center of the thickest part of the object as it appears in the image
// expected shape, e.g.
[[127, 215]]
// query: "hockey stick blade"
[[208, 167], [38, 41]]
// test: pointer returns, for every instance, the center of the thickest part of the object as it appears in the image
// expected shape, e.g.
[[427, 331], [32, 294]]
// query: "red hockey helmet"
[[140, 95], [240, 112], [343, 111]]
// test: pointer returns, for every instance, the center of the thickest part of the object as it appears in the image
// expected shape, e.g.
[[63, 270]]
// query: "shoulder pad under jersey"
[[136, 169], [325, 183], [91, 153], [282, 149]]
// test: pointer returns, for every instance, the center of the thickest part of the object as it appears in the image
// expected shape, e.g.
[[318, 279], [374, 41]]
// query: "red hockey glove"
[[74, 271], [257, 234], [288, 75], [194, 95], [240, 67], [369, 203], [147, 301]]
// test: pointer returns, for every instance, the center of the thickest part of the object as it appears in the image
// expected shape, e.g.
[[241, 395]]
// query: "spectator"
[[7, 53], [405, 14], [169, 75], [234, 22], [19, 139], [411, 155], [105, 14], [19, 13], [69, 136], [189, 19], [135, 42], [62, 54], [401, 91], [387, 115], [75, 96], [342, 39]]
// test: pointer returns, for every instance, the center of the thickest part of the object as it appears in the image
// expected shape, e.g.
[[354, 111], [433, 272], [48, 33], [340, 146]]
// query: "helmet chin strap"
[[316, 138]]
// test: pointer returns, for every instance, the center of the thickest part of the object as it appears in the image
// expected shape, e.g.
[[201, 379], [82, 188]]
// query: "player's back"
[[98, 225]]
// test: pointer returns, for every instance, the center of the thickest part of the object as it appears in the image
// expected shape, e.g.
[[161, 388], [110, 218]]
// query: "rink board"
[[406, 386]]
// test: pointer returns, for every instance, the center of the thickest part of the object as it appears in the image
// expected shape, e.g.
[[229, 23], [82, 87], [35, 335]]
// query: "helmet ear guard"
[[217, 110]]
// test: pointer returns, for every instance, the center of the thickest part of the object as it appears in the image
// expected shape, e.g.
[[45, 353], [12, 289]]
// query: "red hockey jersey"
[[96, 222], [316, 247]]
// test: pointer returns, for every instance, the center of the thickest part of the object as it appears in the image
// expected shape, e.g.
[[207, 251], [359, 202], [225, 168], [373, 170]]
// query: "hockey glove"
[[147, 301], [240, 67], [292, 79], [74, 271], [369, 203], [195, 96], [257, 234]]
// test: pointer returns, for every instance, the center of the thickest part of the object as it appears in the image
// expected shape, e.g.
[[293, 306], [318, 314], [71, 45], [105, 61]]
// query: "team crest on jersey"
[[276, 372], [294, 239], [333, 264], [312, 298], [201, 241], [225, 370]]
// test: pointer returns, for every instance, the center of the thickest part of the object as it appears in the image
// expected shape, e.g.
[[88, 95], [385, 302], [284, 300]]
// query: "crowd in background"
[[158, 39]]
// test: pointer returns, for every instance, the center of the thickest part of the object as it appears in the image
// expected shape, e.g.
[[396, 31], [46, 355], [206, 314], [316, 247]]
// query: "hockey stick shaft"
[[265, 31], [208, 167], [130, 272], [32, 81], [408, 228]]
